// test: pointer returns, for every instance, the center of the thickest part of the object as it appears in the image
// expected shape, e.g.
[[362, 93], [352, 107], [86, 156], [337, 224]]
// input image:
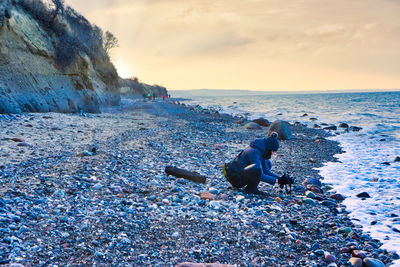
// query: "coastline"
[[119, 204]]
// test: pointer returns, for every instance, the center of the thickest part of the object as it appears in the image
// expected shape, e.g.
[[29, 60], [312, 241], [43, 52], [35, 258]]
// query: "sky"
[[253, 44]]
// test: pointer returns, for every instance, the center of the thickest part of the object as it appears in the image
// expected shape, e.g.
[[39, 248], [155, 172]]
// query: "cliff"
[[52, 59], [134, 88]]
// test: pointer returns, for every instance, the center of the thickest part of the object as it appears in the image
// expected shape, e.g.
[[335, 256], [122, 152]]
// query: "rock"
[[343, 125], [313, 119], [337, 197], [207, 196], [85, 154], [282, 128], [332, 127], [329, 203], [397, 159], [312, 160], [359, 254], [316, 126], [385, 163], [309, 201], [262, 122], [252, 126], [332, 264], [191, 264], [312, 181], [278, 199], [304, 115], [330, 258], [363, 195], [355, 128], [346, 230], [316, 189], [175, 235], [344, 250], [319, 252], [310, 194], [216, 205], [17, 139], [356, 262], [23, 144], [371, 262]]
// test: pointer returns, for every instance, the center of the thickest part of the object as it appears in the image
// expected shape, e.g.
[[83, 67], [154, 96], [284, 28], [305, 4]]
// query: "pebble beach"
[[90, 189]]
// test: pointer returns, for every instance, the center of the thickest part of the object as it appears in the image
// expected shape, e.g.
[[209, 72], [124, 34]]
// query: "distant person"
[[253, 165], [163, 97]]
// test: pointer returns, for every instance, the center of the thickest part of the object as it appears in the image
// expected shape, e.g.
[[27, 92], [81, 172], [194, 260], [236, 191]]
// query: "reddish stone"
[[207, 196], [316, 189], [344, 250], [337, 197], [359, 254]]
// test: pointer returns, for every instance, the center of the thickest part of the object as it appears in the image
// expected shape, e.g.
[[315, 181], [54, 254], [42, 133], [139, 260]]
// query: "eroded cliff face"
[[32, 80]]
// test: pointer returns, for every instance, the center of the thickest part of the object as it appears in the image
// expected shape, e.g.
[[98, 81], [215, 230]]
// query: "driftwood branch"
[[182, 173]]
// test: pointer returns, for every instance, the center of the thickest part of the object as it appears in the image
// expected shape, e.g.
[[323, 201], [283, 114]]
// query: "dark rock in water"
[[304, 115], [343, 125], [282, 128], [385, 163], [324, 124], [332, 127], [396, 230], [313, 119], [316, 126], [363, 195], [394, 215], [337, 197], [17, 140], [252, 126], [371, 262], [382, 140], [374, 222], [23, 144], [262, 122], [397, 159], [355, 128]]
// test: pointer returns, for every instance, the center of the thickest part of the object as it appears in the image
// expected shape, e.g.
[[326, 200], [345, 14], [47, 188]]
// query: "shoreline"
[[126, 173]]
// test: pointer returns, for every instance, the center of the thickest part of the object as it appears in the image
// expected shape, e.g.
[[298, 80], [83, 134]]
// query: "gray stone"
[[356, 262], [252, 126], [262, 122], [282, 128], [371, 262]]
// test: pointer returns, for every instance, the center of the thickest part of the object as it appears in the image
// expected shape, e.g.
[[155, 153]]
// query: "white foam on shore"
[[361, 170]]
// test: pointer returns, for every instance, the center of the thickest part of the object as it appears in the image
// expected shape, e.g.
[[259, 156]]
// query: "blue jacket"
[[256, 154]]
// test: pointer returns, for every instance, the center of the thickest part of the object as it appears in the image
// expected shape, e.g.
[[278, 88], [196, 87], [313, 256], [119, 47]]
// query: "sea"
[[368, 162]]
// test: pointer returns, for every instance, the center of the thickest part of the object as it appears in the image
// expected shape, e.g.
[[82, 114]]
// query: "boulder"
[[312, 181], [282, 128], [252, 126], [356, 262], [337, 197], [371, 262], [343, 125], [262, 122], [397, 159]]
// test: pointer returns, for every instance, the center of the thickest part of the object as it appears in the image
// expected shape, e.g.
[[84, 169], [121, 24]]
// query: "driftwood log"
[[182, 173]]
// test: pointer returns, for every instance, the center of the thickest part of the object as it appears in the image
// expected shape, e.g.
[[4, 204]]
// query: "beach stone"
[[262, 122], [332, 264], [313, 119], [207, 196], [316, 126], [316, 189], [397, 159], [359, 254], [191, 264], [304, 115], [371, 262], [337, 197], [355, 128], [356, 262], [312, 160], [319, 252], [344, 250], [252, 126], [343, 125], [282, 128], [309, 201], [310, 194], [330, 258], [329, 203], [363, 195], [312, 181]]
